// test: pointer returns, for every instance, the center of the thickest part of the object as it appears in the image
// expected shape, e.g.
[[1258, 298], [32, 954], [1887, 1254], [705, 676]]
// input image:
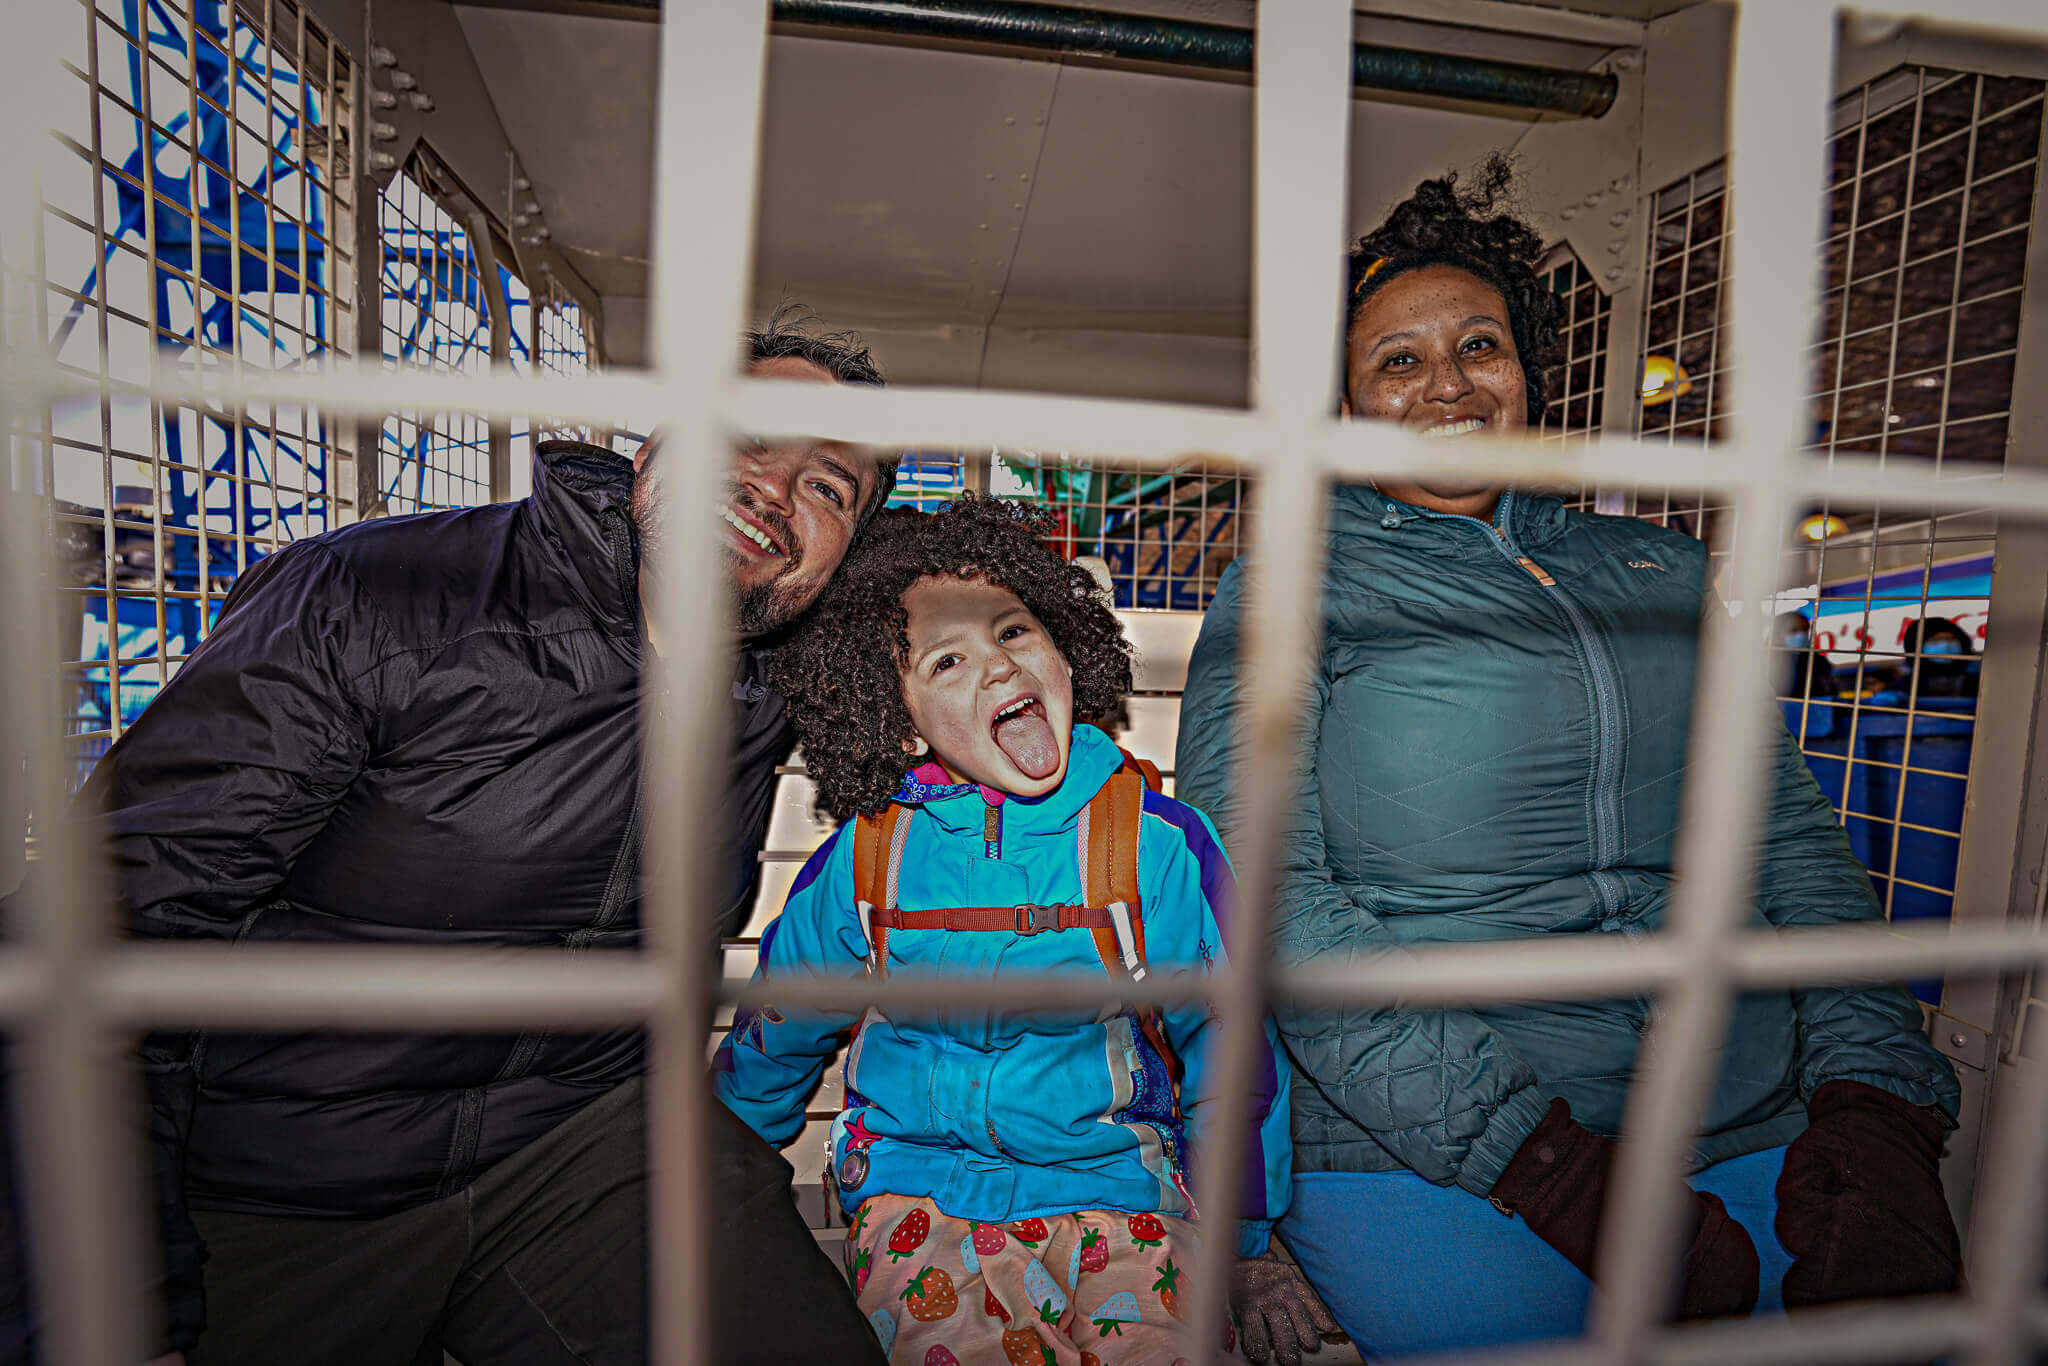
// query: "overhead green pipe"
[[1181, 42]]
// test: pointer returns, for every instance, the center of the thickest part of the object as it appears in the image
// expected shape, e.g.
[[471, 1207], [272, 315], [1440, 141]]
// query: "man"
[[426, 730]]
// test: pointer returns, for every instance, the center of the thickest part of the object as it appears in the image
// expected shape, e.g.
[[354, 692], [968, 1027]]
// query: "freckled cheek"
[[1381, 401]]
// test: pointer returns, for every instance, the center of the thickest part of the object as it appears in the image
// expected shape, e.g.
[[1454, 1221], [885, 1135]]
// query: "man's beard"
[[758, 610]]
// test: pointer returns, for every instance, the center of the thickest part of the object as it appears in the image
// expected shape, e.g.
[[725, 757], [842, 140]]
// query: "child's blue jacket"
[[997, 1118]]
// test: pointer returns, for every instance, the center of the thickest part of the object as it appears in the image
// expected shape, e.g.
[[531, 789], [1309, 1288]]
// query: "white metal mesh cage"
[[72, 994]]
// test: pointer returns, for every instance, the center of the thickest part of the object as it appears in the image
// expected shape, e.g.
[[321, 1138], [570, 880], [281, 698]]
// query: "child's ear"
[[915, 746]]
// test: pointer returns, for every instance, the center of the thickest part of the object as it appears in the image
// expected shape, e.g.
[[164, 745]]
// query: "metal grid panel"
[[1931, 185], [1577, 406], [69, 992], [196, 217], [435, 319], [1165, 535]]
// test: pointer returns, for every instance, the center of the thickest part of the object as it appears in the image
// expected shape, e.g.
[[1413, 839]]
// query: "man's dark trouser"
[[542, 1261]]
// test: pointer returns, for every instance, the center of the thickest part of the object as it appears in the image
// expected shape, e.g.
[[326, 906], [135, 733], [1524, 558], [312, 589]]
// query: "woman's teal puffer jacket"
[[1492, 757]]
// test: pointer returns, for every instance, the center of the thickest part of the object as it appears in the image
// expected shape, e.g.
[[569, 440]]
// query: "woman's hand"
[[1860, 1205], [1557, 1182], [1277, 1313]]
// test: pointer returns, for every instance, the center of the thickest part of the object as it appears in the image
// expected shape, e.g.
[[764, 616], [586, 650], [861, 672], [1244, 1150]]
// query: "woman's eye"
[[828, 491], [1479, 344], [1400, 360]]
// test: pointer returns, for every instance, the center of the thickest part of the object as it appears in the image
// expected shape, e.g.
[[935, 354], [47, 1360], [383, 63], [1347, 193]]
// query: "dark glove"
[[1557, 1181], [1276, 1312], [1860, 1206]]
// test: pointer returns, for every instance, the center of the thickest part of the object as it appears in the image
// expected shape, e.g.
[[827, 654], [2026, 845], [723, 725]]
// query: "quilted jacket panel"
[[1489, 757]]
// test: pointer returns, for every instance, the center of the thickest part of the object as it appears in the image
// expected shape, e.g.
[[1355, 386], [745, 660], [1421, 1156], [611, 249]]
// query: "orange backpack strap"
[[1113, 821], [877, 860], [1110, 870]]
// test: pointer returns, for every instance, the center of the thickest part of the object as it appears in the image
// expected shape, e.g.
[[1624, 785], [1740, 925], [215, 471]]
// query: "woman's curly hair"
[[838, 668], [1474, 230]]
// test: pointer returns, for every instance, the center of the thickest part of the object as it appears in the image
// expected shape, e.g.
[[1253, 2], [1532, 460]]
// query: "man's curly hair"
[[1474, 230], [838, 669]]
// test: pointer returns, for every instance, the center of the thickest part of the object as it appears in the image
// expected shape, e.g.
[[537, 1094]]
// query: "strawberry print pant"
[[1098, 1288]]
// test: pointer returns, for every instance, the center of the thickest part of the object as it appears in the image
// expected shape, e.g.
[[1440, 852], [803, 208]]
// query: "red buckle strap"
[[1025, 920]]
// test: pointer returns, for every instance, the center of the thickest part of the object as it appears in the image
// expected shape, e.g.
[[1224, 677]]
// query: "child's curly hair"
[[838, 668], [1475, 231]]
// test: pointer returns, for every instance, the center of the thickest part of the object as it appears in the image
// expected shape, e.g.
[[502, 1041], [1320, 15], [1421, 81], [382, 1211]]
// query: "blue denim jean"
[[1407, 1266]]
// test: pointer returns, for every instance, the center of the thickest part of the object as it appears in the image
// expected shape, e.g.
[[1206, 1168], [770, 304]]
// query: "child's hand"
[[1277, 1313]]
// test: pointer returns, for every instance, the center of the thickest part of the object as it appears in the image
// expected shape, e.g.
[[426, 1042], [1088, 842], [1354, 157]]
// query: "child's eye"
[[1012, 632], [943, 663], [827, 490]]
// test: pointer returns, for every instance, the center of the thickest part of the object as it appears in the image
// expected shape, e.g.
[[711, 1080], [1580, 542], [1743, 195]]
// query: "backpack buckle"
[[1032, 919]]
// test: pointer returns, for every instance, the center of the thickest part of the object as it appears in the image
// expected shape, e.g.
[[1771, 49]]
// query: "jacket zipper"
[[992, 831], [1606, 708]]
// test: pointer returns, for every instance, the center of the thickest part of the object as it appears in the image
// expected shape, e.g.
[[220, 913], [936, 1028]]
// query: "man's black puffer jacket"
[[418, 730]]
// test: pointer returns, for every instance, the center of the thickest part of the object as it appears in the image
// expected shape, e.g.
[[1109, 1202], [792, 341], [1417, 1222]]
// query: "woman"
[[1939, 651], [1498, 731]]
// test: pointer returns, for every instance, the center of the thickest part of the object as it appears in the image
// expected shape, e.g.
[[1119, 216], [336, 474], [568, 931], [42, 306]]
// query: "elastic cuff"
[[1913, 1092], [1512, 1123], [1253, 1237]]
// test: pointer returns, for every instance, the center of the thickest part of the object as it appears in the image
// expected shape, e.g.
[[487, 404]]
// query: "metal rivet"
[[403, 80], [383, 99], [383, 132], [1958, 1038], [1592, 199], [383, 56], [1569, 212], [990, 176], [1619, 219], [422, 101], [1009, 123], [1018, 205], [521, 183], [383, 161], [1617, 244], [982, 226], [1618, 184], [520, 220], [1024, 175], [1614, 272], [543, 233]]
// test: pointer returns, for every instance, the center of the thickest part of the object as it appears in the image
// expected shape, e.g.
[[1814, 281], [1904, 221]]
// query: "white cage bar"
[[71, 992]]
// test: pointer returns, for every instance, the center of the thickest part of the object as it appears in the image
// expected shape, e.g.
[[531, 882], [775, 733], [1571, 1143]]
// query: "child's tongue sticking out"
[[1027, 739], [986, 687]]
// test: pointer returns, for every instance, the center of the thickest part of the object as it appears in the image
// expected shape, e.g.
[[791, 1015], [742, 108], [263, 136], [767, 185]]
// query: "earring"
[[919, 747]]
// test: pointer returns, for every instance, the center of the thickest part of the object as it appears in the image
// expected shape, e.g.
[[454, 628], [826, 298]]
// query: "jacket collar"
[[1530, 518], [583, 500], [1091, 758]]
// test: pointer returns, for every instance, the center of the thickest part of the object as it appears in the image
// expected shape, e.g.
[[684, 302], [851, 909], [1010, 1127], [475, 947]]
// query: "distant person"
[[1032, 1169], [1496, 749], [426, 730], [1939, 652], [1803, 671]]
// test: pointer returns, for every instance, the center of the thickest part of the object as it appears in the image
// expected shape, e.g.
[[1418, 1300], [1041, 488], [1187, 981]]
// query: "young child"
[[1018, 1183]]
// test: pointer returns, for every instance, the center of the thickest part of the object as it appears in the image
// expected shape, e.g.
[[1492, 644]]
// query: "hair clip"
[[1370, 271]]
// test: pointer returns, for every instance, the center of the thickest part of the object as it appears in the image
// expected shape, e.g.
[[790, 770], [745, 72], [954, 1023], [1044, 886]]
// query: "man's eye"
[[829, 491]]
